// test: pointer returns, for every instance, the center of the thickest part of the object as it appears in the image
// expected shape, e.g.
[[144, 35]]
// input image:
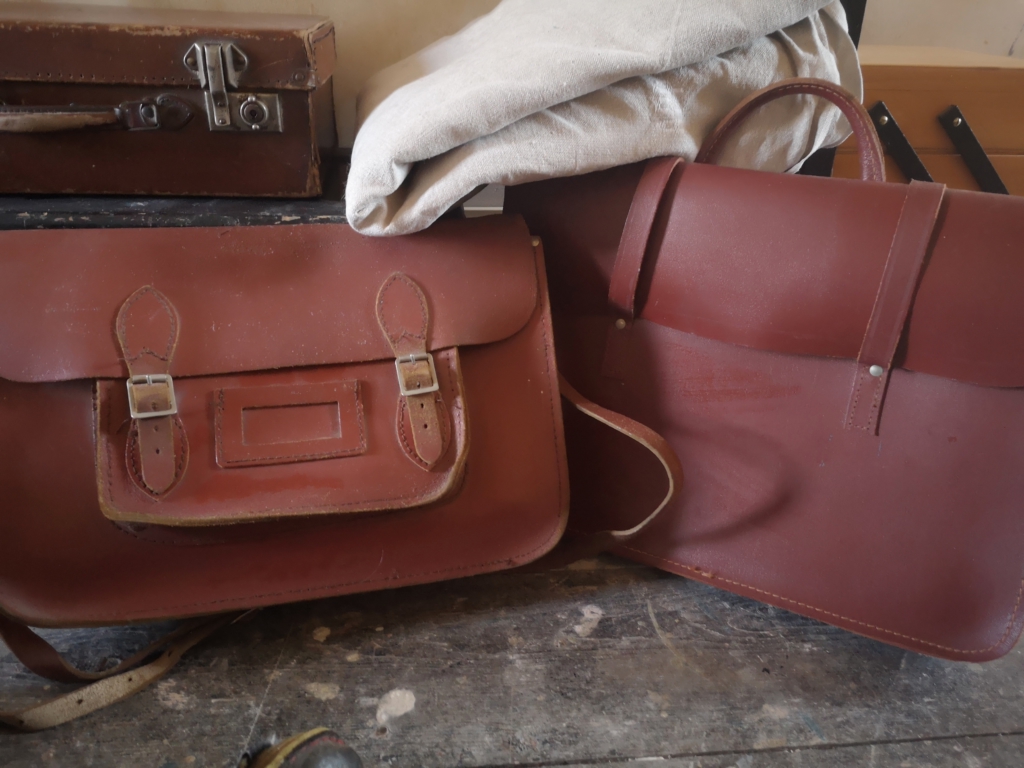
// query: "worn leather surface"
[[246, 321], [57, 55], [752, 308]]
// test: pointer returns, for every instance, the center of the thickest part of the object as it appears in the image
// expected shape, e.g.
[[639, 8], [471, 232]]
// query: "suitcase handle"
[[872, 163], [164, 112]]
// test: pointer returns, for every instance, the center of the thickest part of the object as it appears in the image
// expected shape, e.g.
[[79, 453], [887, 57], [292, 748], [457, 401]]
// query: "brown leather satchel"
[[201, 420], [837, 363]]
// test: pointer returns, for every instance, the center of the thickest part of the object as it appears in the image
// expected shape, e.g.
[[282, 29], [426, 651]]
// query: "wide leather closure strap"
[[147, 330], [636, 233], [872, 161], [404, 318], [892, 304]]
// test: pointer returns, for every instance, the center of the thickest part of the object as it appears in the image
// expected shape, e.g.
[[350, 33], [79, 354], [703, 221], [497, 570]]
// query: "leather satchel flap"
[[758, 260], [253, 298], [94, 45], [260, 373]]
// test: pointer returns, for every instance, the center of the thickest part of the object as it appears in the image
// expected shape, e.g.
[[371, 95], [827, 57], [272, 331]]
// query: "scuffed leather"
[[751, 309], [156, 453], [275, 305], [404, 318]]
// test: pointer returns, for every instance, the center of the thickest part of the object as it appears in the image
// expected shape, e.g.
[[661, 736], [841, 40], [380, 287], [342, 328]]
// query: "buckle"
[[151, 378], [416, 358]]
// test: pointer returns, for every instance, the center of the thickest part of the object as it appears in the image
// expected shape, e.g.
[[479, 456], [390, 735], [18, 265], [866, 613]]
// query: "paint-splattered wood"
[[108, 212], [604, 663]]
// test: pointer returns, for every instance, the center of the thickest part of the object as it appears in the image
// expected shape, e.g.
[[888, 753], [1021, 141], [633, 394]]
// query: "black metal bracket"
[[967, 145], [896, 144]]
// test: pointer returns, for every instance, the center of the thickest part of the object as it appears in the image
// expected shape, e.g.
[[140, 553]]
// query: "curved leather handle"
[[163, 112], [872, 164]]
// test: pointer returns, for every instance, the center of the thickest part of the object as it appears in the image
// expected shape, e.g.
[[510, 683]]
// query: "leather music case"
[[839, 365], [97, 100], [197, 420]]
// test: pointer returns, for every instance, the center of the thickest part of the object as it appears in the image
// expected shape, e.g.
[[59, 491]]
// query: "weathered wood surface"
[[117, 212], [602, 664]]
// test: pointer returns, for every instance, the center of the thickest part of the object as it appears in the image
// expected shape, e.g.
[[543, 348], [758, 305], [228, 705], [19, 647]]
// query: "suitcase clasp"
[[219, 66]]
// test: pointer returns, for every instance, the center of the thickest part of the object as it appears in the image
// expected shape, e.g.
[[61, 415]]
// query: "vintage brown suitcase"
[[99, 100], [839, 365]]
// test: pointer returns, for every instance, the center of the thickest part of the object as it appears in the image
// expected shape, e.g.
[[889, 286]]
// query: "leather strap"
[[872, 161], [892, 303], [165, 111], [637, 232], [147, 330], [404, 317], [108, 687], [574, 547]]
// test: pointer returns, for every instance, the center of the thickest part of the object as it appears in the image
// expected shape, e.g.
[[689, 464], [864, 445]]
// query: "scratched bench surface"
[[605, 663]]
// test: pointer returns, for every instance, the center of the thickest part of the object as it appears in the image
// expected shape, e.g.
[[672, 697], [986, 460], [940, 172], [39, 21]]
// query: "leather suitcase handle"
[[872, 164], [162, 112]]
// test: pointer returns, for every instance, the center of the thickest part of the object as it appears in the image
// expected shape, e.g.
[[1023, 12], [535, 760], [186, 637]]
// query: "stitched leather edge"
[[709, 577], [112, 512], [477, 568], [218, 423]]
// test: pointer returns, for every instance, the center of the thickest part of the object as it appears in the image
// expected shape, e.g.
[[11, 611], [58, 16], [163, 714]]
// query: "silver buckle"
[[416, 358], [151, 378]]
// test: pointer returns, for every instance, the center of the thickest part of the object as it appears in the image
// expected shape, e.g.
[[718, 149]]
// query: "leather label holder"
[[259, 426]]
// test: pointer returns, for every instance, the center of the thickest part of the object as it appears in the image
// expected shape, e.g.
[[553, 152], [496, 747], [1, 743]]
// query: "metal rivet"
[[883, 120], [620, 324], [876, 370], [535, 242], [957, 122]]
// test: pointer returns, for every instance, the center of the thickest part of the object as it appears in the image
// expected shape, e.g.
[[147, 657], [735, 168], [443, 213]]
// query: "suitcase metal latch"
[[218, 67]]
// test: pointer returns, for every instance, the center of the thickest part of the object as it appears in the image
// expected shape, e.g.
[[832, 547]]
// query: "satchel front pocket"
[[250, 447]]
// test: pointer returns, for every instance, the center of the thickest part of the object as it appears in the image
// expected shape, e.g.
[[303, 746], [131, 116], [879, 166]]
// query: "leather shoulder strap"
[[107, 687], [576, 547]]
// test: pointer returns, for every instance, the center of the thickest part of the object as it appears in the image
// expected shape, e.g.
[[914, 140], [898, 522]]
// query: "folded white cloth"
[[541, 88]]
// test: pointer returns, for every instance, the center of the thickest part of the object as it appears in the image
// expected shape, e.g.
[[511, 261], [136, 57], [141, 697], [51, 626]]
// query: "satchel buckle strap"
[[416, 388], [151, 380]]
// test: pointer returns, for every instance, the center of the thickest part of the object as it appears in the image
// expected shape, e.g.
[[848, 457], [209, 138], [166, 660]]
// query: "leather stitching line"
[[382, 318], [122, 326], [410, 451], [798, 88], [136, 471], [340, 452], [711, 576], [306, 507]]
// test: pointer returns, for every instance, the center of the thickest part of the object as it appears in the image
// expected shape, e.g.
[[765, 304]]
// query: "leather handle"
[[162, 112], [53, 119], [872, 164]]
